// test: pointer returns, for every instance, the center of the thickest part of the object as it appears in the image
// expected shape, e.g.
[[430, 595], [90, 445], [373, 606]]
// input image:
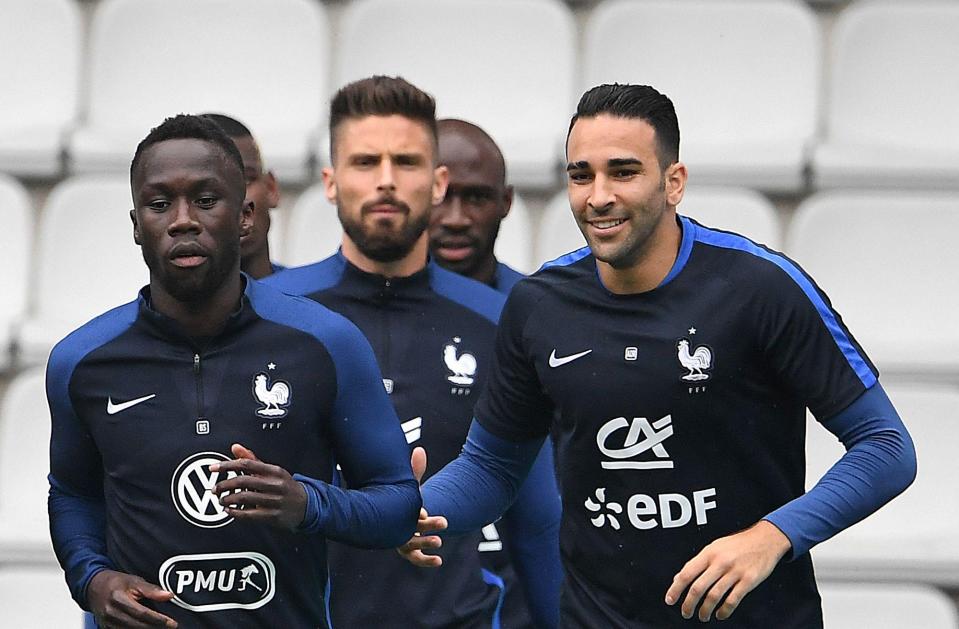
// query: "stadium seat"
[[313, 230], [506, 65], [891, 108], [16, 241], [86, 260], [39, 69], [886, 606], [743, 76], [24, 464], [558, 233], [884, 259], [264, 63], [35, 597], [913, 537], [739, 210]]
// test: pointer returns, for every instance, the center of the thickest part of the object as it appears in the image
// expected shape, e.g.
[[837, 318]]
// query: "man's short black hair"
[[382, 96], [186, 126], [233, 127], [635, 101]]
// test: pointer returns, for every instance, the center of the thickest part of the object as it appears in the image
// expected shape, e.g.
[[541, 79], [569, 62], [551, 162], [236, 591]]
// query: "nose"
[[601, 197], [387, 182], [453, 214], [183, 218]]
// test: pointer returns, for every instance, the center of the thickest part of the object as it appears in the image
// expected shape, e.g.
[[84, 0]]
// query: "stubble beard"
[[384, 244]]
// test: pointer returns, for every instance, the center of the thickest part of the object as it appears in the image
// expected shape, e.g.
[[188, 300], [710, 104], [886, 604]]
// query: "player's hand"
[[412, 550], [264, 493], [735, 564], [114, 600]]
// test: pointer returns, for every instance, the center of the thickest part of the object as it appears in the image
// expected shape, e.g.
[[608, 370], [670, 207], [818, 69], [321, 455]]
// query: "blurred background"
[[826, 129]]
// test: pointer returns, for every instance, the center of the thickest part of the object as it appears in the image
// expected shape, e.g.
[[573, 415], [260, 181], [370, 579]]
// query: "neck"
[[653, 264], [257, 265], [485, 271], [203, 317], [413, 261]]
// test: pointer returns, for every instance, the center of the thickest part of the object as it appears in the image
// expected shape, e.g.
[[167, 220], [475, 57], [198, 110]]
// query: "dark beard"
[[385, 247]]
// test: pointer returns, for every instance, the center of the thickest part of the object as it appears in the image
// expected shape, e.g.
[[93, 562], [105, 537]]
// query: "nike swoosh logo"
[[559, 362], [113, 409]]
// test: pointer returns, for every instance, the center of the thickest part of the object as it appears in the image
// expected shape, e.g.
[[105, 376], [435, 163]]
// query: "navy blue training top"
[[140, 411], [433, 335], [678, 417]]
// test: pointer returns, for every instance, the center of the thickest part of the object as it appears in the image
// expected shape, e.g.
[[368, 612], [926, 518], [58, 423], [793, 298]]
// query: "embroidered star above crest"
[[692, 330], [271, 366]]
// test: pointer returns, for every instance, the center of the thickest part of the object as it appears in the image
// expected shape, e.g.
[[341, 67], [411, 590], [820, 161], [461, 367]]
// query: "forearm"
[[879, 463], [375, 516], [532, 537], [481, 483], [78, 531]]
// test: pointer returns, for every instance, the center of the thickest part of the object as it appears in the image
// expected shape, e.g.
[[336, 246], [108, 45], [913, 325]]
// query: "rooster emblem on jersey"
[[463, 365], [700, 360], [275, 398]]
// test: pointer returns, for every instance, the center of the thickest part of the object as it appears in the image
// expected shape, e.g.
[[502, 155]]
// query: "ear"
[[675, 180], [441, 179], [329, 183], [136, 226], [272, 190], [507, 201], [246, 218]]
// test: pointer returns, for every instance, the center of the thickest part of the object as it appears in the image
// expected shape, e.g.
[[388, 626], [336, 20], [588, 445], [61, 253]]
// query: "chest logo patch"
[[192, 490], [217, 581], [275, 396], [115, 407], [462, 367], [641, 437], [697, 362]]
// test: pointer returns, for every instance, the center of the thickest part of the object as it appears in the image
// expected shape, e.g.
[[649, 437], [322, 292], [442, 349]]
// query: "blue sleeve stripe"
[[309, 279], [727, 240], [567, 259], [471, 294], [491, 578]]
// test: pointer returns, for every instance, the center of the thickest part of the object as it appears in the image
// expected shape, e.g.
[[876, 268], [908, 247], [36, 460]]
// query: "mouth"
[[386, 207], [606, 224], [187, 255], [454, 250]]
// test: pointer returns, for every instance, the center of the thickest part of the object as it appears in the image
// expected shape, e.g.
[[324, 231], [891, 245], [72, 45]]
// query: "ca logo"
[[192, 490], [653, 434]]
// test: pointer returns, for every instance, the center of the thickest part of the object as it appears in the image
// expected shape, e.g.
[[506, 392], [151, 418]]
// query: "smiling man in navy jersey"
[[679, 362], [432, 331], [160, 512]]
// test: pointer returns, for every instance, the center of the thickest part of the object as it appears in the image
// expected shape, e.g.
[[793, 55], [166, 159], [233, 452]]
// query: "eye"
[[158, 205], [624, 173], [477, 197], [579, 177], [206, 202]]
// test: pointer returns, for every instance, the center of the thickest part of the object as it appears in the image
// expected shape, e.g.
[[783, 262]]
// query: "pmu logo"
[[216, 581], [653, 435], [192, 490]]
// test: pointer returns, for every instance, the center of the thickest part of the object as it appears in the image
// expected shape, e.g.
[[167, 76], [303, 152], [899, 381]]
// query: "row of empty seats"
[[910, 540], [746, 78], [883, 258]]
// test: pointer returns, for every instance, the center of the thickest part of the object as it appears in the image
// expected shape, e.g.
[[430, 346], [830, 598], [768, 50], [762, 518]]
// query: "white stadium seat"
[[313, 230], [35, 597], [913, 537], [891, 107], [24, 465], [738, 210], [86, 260], [743, 76], [886, 606], [506, 65], [264, 63], [40, 73], [16, 242], [884, 259]]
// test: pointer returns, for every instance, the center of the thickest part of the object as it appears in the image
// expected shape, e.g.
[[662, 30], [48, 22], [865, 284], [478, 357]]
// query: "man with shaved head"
[[463, 228]]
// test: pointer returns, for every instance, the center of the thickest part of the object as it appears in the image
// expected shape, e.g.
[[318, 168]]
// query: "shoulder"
[[332, 330], [473, 295], [506, 277], [310, 278], [68, 353]]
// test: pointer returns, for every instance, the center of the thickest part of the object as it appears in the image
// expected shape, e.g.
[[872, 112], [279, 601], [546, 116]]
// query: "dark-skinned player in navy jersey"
[[463, 230], [262, 189], [432, 331], [679, 361], [195, 429]]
